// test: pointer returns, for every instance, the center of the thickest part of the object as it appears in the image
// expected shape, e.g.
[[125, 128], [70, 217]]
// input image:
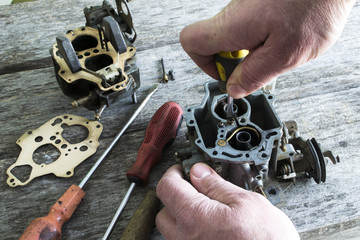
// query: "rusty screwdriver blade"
[[49, 227], [160, 132]]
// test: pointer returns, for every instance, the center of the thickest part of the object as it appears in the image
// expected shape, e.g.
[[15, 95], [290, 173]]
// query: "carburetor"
[[96, 65], [255, 148]]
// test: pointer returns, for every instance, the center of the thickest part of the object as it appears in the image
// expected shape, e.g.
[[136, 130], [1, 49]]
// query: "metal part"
[[96, 65], [165, 78], [171, 75], [125, 13], [62, 155], [119, 211], [230, 109], [117, 137], [100, 111], [249, 139], [252, 150]]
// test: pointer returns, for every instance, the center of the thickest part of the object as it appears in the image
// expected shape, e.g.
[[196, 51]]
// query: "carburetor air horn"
[[95, 65]]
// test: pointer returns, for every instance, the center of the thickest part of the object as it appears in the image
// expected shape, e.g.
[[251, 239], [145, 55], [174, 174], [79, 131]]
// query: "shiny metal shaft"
[[119, 211], [230, 109], [142, 105]]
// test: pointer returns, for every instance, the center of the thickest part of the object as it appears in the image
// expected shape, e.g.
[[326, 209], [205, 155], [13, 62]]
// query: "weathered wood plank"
[[302, 209], [345, 230], [322, 96]]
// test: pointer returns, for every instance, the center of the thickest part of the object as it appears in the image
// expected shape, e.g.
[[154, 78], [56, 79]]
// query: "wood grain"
[[322, 96]]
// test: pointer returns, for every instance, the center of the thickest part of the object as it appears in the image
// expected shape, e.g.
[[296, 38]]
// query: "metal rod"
[[119, 211], [142, 105]]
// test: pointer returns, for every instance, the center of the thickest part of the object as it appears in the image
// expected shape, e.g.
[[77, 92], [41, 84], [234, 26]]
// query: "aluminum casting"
[[253, 149]]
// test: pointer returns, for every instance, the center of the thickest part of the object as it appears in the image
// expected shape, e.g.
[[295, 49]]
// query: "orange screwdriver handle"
[[49, 227], [160, 132]]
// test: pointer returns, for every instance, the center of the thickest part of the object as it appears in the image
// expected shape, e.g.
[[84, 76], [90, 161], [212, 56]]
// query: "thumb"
[[209, 183]]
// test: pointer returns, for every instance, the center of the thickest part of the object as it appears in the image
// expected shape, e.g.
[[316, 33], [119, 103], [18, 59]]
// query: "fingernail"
[[200, 170], [236, 91]]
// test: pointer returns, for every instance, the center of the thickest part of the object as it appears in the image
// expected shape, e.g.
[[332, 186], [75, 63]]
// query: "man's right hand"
[[280, 34]]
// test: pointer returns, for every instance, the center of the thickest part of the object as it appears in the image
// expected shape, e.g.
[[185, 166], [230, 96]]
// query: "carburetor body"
[[96, 65], [255, 148]]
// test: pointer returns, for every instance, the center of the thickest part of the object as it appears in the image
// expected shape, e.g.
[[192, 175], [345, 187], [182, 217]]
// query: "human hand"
[[212, 208], [280, 34]]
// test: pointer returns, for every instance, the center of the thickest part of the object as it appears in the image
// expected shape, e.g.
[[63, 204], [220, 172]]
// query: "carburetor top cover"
[[95, 65]]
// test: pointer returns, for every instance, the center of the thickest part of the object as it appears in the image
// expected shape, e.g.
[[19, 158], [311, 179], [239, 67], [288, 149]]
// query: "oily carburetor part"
[[96, 65], [50, 134], [242, 148], [252, 150]]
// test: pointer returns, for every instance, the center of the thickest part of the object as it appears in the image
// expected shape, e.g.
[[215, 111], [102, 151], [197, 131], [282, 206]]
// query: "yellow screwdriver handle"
[[226, 62]]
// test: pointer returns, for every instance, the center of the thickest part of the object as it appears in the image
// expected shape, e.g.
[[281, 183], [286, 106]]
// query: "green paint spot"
[[21, 1]]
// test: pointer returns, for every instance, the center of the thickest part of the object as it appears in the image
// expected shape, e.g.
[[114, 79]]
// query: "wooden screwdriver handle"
[[49, 227]]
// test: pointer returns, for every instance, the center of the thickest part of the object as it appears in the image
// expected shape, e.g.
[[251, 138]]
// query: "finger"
[[264, 63], [166, 224], [176, 193], [252, 73], [201, 54], [209, 183], [230, 30]]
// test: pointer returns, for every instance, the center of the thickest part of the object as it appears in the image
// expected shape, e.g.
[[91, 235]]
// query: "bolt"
[[81, 101], [99, 111]]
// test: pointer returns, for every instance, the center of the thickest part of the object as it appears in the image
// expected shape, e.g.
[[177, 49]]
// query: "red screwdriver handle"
[[160, 132]]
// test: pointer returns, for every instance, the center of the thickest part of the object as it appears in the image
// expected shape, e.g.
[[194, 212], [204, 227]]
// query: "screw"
[[164, 77], [221, 143]]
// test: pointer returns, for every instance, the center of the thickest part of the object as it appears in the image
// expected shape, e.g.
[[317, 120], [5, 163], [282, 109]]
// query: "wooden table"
[[322, 96]]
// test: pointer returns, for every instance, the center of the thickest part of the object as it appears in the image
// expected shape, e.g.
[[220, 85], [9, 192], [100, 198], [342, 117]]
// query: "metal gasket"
[[95, 51], [71, 154]]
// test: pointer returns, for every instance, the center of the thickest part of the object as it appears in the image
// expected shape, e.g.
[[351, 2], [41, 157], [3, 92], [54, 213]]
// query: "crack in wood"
[[25, 66]]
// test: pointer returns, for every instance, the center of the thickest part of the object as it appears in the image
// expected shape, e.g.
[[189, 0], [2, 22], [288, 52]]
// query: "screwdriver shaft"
[[119, 211], [230, 109], [160, 132], [49, 227], [142, 105]]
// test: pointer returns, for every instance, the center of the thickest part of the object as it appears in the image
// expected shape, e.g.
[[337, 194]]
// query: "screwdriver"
[[49, 227], [226, 62], [160, 133]]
